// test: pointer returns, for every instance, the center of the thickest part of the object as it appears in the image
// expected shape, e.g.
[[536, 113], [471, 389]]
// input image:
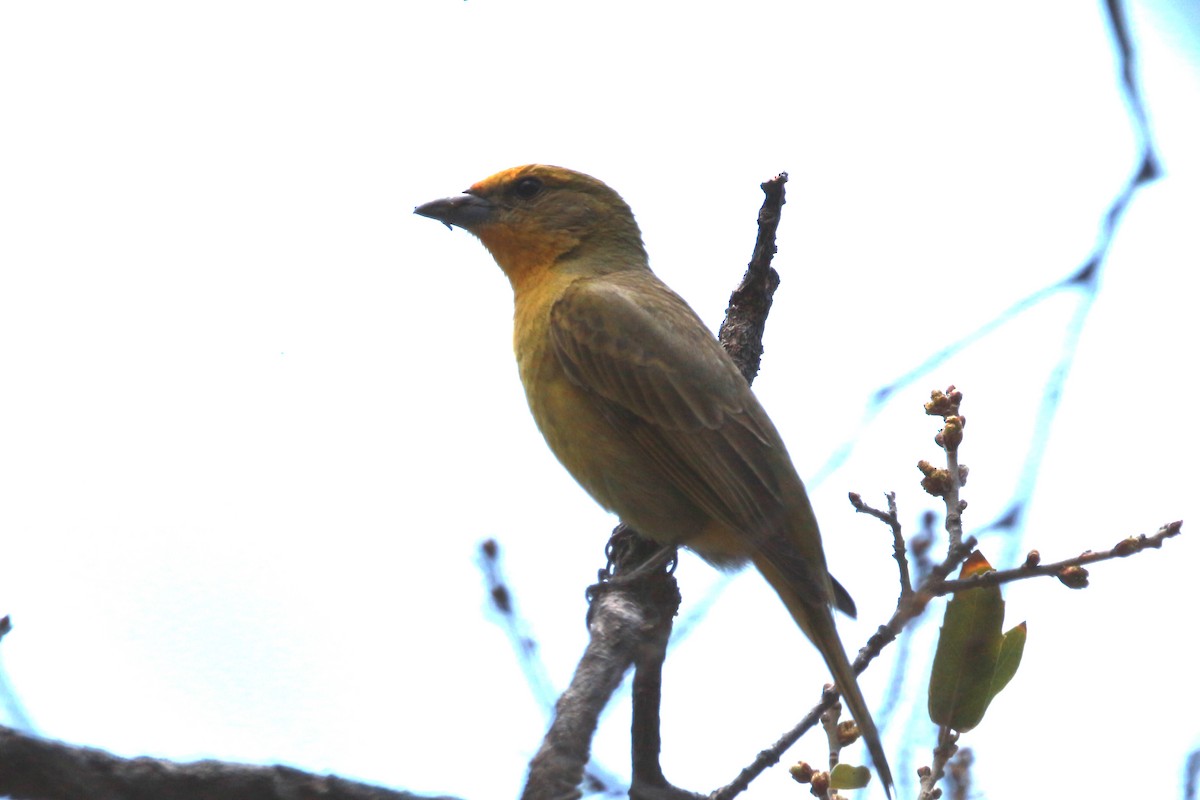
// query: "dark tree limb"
[[39, 769], [746, 316], [630, 611]]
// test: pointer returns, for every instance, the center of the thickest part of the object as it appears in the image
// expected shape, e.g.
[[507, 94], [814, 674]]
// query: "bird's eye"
[[527, 187]]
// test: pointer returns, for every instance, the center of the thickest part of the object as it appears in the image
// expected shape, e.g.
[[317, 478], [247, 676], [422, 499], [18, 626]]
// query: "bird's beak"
[[464, 210]]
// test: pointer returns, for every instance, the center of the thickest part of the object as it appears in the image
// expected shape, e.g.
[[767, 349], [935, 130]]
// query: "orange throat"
[[524, 255]]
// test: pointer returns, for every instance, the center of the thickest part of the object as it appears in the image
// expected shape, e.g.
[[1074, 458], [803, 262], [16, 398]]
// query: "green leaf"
[[960, 687], [1011, 649], [845, 776]]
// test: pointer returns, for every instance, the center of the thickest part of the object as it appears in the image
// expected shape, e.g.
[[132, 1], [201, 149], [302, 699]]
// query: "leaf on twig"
[[1011, 650], [974, 661], [846, 776]]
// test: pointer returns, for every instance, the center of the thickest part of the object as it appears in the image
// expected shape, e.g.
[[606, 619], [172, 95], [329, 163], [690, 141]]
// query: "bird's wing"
[[632, 341], [638, 346]]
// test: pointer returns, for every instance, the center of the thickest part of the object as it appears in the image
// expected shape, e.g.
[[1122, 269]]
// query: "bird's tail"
[[816, 620]]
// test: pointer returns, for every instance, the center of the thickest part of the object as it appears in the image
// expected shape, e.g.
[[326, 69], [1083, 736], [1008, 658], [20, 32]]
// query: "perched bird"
[[641, 403]]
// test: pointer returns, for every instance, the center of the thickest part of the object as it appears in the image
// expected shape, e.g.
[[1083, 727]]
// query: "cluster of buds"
[[939, 482], [803, 772], [944, 404]]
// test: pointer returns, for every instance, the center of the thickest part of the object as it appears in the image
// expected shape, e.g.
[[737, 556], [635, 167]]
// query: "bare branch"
[[46, 770], [883, 636], [947, 746], [945, 483], [626, 611], [892, 518], [770, 756], [746, 315], [1070, 571]]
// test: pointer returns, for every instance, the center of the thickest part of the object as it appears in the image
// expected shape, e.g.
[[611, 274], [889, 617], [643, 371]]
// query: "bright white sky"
[[255, 416]]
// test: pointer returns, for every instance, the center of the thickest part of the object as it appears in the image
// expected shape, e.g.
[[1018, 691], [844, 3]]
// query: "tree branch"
[[746, 315], [40, 769], [906, 610], [892, 518], [1070, 571], [947, 746], [627, 610]]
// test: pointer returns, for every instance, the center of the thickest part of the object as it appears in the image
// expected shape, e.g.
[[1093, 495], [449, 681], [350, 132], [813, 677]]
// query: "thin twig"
[[947, 483], [892, 518], [946, 748], [883, 636], [1069, 570], [515, 626], [829, 723]]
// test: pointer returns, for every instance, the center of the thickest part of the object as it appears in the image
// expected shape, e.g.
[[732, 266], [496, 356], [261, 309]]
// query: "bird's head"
[[537, 218]]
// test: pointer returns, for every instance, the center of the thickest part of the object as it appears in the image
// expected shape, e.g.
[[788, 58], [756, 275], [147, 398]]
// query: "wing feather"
[[694, 414], [679, 395]]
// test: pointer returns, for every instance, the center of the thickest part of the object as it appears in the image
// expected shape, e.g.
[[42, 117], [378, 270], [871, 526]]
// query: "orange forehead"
[[502, 177], [552, 176]]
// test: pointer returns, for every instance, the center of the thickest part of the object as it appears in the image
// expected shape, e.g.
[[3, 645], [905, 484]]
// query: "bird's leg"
[[632, 556]]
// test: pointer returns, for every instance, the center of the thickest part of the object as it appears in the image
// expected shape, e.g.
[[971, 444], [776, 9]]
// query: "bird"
[[640, 402]]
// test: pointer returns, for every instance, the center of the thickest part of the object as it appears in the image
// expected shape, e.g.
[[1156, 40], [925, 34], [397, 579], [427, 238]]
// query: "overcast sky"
[[255, 416]]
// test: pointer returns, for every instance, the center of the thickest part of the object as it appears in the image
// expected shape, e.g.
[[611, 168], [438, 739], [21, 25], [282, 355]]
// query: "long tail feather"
[[817, 623]]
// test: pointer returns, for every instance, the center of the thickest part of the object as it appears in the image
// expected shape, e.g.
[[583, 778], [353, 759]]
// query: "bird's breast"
[[596, 441]]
